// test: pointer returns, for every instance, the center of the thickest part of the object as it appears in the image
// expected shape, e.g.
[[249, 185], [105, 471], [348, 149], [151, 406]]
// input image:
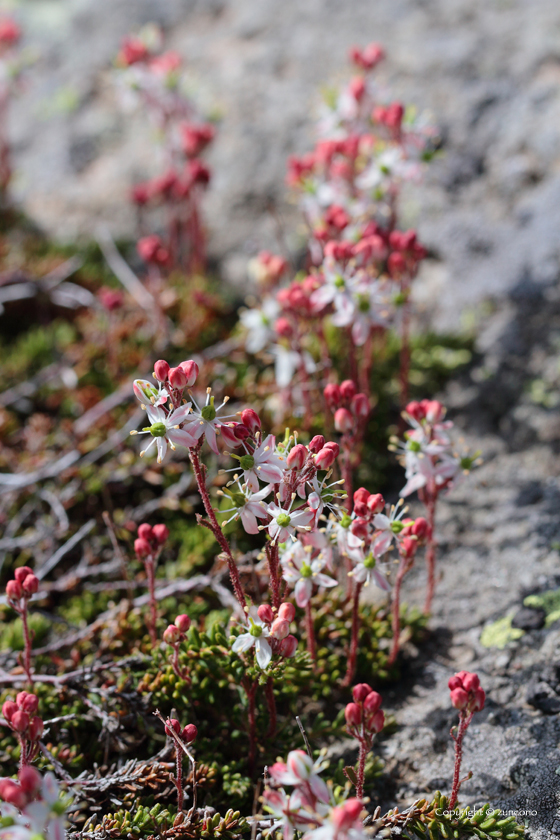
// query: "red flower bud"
[[145, 532], [420, 528], [265, 613], [27, 702], [288, 647], [359, 528], [9, 708], [316, 444], [171, 634], [353, 714], [21, 573], [415, 410], [330, 444], [296, 457], [434, 410], [189, 733], [173, 724], [332, 395], [376, 503], [251, 419], [360, 692], [14, 590], [12, 793], [36, 728], [357, 88], [177, 378], [30, 779], [360, 405], [280, 628], [459, 698], [361, 495], [161, 370], [377, 722], [284, 328], [20, 721], [471, 682], [287, 611], [348, 389], [479, 699], [372, 703], [325, 459], [161, 533], [343, 420], [396, 264], [30, 585], [183, 622], [190, 369], [407, 547], [142, 548]]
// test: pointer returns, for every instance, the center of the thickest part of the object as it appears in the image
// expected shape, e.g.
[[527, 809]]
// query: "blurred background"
[[487, 71]]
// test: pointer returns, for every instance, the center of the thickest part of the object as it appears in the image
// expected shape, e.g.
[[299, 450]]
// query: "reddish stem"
[[271, 704], [361, 769], [396, 618], [353, 652], [311, 646], [272, 558], [26, 644], [179, 778], [464, 722], [250, 692], [150, 566], [431, 547], [199, 473]]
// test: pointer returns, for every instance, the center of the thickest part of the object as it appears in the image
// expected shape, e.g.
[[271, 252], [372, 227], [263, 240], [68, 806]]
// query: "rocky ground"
[[489, 71]]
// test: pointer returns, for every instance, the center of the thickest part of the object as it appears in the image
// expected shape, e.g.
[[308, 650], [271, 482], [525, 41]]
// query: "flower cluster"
[[28, 726], [32, 807], [310, 807], [154, 81], [19, 592], [148, 546], [173, 636], [468, 697], [364, 720], [269, 635]]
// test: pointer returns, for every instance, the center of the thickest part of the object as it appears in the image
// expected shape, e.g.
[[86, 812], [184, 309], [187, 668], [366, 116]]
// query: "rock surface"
[[487, 70]]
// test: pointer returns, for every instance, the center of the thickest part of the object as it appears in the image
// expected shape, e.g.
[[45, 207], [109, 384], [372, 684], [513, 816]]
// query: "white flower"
[[259, 323], [204, 421], [264, 463], [285, 522], [165, 429], [256, 635], [389, 528], [301, 571], [249, 506], [337, 289], [422, 471], [365, 569]]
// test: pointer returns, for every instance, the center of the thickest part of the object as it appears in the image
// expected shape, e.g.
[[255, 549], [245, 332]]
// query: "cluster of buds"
[[183, 738], [267, 269], [466, 693], [468, 697], [186, 733], [27, 726], [268, 634], [110, 299], [21, 793], [19, 592], [173, 636], [148, 546], [351, 409], [152, 250], [364, 720]]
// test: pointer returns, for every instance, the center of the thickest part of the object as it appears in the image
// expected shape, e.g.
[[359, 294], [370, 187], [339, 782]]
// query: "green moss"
[[547, 601], [500, 633]]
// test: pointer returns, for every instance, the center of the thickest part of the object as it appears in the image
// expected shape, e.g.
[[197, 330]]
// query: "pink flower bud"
[[376, 503], [251, 419], [332, 395], [20, 721], [361, 495], [296, 457], [14, 590], [420, 528], [161, 370], [171, 635], [173, 724], [361, 691], [407, 548], [189, 733], [288, 647], [299, 764], [357, 88], [346, 815], [27, 702], [265, 613], [21, 573], [325, 459], [183, 622], [471, 682], [36, 728], [142, 548], [416, 411], [284, 328], [30, 780], [177, 378], [161, 533], [316, 444], [190, 369], [359, 528], [287, 611], [353, 714], [343, 420], [459, 698], [372, 703], [9, 708], [145, 532], [360, 405], [12, 793], [348, 389], [30, 585], [434, 411], [330, 444], [479, 699], [280, 628], [377, 721]]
